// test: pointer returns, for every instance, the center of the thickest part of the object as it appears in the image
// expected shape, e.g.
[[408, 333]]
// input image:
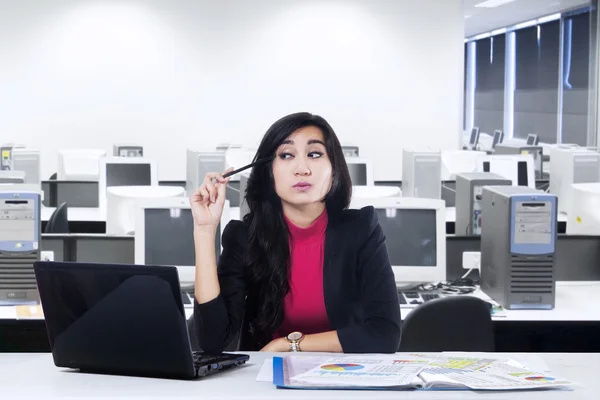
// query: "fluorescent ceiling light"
[[526, 24], [482, 36], [549, 18], [493, 3]]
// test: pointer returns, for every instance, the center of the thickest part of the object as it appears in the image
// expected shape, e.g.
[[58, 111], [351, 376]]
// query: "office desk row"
[[572, 326], [91, 220], [35, 376]]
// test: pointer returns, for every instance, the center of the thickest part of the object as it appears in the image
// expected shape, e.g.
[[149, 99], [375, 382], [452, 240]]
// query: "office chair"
[[53, 176], [59, 221], [456, 323]]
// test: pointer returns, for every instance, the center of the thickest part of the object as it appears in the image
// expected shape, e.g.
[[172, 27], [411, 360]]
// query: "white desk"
[[451, 215], [76, 214], [33, 375]]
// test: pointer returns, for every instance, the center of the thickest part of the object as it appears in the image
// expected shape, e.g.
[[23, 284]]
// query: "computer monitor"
[[198, 164], [459, 161], [415, 231], [237, 158], [79, 164], [498, 138], [519, 168], [122, 171], [532, 139], [361, 171], [474, 138], [164, 235]]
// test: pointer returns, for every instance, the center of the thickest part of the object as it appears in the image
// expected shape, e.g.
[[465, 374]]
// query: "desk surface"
[[35, 376], [575, 301]]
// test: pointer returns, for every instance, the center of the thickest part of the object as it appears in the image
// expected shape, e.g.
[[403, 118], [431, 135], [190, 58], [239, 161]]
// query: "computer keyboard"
[[187, 299], [414, 298]]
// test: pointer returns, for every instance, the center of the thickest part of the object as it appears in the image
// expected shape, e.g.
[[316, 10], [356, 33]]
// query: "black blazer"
[[359, 288]]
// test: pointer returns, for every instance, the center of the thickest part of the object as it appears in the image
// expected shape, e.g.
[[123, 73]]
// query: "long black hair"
[[268, 253]]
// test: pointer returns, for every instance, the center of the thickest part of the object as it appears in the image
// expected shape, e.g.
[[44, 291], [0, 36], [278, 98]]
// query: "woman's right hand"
[[208, 200]]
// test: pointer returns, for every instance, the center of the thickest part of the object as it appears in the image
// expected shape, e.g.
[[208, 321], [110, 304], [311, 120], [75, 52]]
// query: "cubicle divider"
[[80, 193], [118, 249], [577, 257]]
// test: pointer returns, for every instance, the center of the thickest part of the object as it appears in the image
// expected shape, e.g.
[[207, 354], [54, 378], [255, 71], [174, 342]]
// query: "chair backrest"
[[455, 323], [59, 221]]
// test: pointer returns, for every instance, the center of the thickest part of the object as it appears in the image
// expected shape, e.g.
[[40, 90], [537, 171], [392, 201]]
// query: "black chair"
[[59, 221], [455, 323]]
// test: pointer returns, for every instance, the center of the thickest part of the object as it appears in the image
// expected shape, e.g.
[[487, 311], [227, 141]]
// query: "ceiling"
[[479, 20]]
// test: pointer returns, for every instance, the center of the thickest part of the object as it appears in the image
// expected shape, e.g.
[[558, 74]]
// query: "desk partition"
[[577, 256]]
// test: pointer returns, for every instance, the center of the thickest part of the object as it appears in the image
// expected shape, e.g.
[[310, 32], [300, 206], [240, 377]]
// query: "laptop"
[[121, 319]]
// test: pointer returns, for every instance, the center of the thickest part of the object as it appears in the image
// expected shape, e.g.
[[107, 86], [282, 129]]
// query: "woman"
[[301, 272]]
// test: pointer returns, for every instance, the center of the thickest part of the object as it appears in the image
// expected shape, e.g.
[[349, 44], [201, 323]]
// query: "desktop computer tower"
[[518, 243], [244, 209], [535, 151], [469, 199], [422, 174], [125, 150], [20, 247]]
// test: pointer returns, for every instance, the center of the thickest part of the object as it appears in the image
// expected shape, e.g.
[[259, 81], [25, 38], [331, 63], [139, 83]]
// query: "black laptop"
[[121, 319]]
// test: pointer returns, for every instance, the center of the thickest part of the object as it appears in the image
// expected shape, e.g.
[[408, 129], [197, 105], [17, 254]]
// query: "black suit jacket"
[[359, 288]]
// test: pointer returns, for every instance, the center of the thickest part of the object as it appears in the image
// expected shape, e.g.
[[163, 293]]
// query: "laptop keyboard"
[[185, 299]]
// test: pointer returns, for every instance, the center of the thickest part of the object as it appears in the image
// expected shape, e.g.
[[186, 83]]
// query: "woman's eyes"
[[312, 154]]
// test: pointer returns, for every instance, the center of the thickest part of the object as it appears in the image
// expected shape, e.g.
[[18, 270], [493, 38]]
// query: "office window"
[[537, 50], [466, 54], [575, 82], [489, 83]]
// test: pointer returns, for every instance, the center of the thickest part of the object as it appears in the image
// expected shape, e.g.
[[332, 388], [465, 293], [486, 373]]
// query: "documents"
[[413, 371]]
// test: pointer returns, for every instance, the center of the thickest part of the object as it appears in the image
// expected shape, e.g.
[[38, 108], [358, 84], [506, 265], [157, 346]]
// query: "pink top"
[[304, 306]]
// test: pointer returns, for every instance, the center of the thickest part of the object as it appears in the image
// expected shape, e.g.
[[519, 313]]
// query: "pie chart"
[[341, 367], [539, 378]]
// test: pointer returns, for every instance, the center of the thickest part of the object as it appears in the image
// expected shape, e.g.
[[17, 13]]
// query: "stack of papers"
[[405, 372]]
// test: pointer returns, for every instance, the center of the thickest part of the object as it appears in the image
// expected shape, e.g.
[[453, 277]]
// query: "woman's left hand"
[[278, 345]]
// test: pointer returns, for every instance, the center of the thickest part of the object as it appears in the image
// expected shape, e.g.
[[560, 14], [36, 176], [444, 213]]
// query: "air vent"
[[17, 273], [532, 275]]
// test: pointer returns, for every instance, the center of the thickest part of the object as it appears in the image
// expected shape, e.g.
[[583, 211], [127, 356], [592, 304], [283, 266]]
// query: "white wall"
[[193, 73]]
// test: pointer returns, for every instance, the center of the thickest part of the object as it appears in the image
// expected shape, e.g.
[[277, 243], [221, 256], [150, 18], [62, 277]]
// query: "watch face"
[[294, 336]]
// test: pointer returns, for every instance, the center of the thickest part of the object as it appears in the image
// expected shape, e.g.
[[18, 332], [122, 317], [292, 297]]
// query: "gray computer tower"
[[422, 173], [518, 242], [469, 192], [244, 209], [20, 235], [128, 150], [535, 151]]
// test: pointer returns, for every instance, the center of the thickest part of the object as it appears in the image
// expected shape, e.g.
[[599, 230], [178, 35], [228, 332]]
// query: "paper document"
[[485, 375], [266, 371], [367, 371], [413, 371]]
